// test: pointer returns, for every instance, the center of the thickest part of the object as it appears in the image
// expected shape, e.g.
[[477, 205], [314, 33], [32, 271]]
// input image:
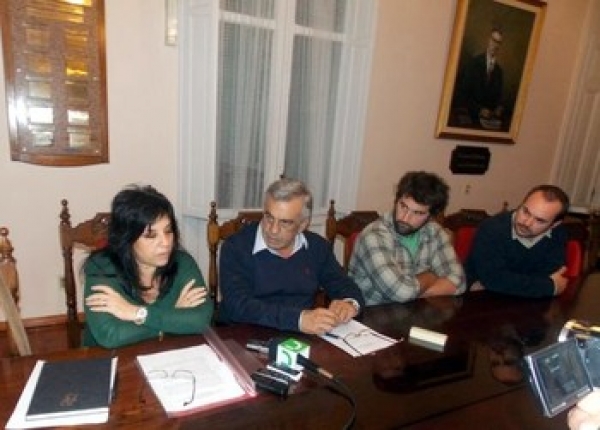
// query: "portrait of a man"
[[479, 87], [487, 73]]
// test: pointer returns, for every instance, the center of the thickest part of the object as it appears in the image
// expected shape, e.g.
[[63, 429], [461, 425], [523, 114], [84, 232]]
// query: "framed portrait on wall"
[[492, 52]]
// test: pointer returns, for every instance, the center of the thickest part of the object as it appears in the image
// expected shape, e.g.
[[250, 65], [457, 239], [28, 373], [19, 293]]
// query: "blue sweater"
[[268, 290], [504, 265]]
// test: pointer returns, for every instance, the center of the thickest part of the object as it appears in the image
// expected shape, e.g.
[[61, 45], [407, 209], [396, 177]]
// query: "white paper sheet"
[[357, 339], [214, 381]]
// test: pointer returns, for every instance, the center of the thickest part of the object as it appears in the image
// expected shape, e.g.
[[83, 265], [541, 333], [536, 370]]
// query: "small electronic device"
[[558, 375], [285, 370], [260, 346], [588, 341], [272, 382]]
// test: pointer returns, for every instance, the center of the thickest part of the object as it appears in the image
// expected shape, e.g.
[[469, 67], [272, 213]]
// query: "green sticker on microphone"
[[288, 350]]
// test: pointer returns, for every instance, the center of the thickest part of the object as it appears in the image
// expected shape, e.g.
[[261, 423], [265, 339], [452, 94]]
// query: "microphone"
[[313, 367], [301, 360], [296, 359]]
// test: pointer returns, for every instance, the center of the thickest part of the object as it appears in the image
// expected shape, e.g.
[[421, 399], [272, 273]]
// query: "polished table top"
[[406, 385]]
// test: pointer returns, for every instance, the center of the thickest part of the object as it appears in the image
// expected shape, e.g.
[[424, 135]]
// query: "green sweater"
[[106, 330]]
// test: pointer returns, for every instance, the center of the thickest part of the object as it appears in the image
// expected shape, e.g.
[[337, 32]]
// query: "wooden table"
[[404, 386]]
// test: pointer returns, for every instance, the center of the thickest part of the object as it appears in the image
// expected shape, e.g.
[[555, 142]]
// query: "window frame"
[[199, 27]]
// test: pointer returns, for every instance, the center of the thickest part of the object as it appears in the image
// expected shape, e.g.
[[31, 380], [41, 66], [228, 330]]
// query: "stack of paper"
[[188, 380]]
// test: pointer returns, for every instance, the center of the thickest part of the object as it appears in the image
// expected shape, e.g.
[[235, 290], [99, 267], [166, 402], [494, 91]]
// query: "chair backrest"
[[578, 240], [593, 249], [9, 298], [462, 226], [347, 229], [215, 234], [87, 236]]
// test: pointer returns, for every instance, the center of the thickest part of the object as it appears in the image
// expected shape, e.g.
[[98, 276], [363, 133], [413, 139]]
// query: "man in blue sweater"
[[271, 272], [523, 252]]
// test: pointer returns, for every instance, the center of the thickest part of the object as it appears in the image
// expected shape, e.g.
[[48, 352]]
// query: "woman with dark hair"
[[142, 284]]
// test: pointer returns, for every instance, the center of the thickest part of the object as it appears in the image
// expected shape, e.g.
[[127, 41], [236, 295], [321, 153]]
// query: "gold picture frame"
[[492, 52]]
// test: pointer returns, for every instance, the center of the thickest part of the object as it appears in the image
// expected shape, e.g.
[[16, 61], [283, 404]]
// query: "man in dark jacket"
[[523, 252]]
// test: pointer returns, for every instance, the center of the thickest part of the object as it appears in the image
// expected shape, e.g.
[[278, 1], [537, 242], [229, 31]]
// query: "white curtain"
[[308, 34], [312, 109], [243, 96], [577, 164]]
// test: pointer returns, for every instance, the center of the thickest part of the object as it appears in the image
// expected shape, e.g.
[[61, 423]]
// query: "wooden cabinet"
[[55, 74]]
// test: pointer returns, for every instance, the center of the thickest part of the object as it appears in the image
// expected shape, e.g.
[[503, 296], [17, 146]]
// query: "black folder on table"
[[71, 388]]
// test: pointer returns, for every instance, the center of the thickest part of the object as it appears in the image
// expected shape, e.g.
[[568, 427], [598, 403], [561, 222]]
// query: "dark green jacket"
[[106, 330]]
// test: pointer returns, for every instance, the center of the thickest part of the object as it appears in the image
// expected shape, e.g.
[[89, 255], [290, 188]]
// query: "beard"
[[403, 229]]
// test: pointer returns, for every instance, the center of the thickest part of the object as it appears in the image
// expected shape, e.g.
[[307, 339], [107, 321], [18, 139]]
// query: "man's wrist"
[[354, 303], [300, 321]]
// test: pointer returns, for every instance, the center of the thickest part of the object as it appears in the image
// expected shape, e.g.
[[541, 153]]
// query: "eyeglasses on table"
[[352, 339], [175, 375]]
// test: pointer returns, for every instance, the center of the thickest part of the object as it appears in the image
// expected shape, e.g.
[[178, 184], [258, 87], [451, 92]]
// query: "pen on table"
[[332, 335]]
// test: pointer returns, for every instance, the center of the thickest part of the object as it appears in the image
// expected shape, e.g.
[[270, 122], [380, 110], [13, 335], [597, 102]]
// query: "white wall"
[[142, 106], [407, 76]]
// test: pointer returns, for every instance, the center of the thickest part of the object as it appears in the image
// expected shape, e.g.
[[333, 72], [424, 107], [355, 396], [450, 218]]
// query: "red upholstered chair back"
[[347, 228], [462, 225], [463, 239], [577, 245], [575, 257]]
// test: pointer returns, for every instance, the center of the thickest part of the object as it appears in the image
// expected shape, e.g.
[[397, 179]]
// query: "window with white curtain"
[[577, 163], [270, 88]]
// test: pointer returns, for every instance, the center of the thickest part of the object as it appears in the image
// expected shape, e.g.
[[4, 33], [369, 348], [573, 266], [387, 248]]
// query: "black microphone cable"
[[345, 392], [270, 347], [336, 385]]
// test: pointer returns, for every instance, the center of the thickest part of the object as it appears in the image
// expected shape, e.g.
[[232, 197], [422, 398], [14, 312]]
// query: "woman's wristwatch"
[[140, 315]]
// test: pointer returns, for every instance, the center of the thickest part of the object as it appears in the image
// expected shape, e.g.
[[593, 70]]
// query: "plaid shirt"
[[385, 271]]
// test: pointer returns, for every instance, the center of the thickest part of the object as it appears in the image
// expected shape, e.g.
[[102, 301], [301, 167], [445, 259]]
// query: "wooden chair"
[[215, 234], [462, 226], [593, 249], [578, 247], [591, 242], [87, 236], [347, 229], [9, 298]]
